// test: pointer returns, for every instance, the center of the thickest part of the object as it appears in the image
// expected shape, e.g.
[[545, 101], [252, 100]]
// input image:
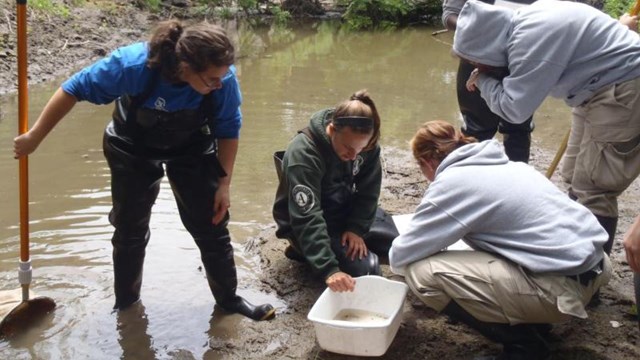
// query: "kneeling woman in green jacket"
[[327, 200]]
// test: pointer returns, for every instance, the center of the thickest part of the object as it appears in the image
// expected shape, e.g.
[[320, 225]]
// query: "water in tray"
[[360, 316]]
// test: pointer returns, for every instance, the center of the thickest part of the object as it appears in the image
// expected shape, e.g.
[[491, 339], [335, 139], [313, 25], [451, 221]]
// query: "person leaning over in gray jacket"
[[573, 52], [478, 120], [538, 255]]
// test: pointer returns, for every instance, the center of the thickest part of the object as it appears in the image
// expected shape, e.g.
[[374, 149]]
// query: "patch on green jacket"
[[303, 197]]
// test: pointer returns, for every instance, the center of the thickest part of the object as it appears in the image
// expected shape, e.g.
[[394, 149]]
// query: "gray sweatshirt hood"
[[481, 41], [485, 153]]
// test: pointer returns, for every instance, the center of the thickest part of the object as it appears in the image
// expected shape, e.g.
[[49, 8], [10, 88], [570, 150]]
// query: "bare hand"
[[25, 144], [473, 78], [355, 245], [631, 244], [340, 282], [221, 204]]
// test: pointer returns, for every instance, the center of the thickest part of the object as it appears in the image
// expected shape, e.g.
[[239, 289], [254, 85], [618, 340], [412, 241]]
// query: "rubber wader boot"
[[368, 265], [381, 235], [292, 253], [517, 146], [222, 277], [609, 224], [128, 262], [520, 342]]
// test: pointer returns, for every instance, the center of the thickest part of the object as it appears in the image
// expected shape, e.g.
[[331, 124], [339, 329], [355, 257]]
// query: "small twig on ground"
[[68, 44]]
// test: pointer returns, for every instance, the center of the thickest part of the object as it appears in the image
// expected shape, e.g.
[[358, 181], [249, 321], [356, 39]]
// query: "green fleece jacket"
[[325, 195]]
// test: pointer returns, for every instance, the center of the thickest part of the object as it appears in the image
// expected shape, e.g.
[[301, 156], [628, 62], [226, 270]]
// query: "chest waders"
[[139, 145], [481, 123], [338, 188]]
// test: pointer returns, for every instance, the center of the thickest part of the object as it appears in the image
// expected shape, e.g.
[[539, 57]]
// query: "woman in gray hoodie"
[[538, 255], [478, 120]]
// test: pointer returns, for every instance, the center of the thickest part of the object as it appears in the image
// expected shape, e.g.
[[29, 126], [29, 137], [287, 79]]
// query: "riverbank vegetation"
[[356, 14]]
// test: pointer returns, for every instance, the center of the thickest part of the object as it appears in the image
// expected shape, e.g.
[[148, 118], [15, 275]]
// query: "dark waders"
[[378, 241], [193, 171], [483, 124]]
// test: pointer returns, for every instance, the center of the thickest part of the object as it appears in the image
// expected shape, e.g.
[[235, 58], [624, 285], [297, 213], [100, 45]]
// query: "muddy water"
[[285, 76]]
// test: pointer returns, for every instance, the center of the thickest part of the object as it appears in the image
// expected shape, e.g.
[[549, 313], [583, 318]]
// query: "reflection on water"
[[285, 75], [133, 333]]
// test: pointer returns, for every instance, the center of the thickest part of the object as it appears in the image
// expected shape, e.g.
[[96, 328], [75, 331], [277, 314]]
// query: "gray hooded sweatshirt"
[[502, 207], [560, 48], [451, 7]]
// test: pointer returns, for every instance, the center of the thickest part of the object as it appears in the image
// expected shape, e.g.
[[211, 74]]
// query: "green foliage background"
[[357, 15], [615, 8], [369, 14]]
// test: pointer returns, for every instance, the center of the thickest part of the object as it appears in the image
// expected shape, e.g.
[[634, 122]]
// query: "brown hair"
[[436, 139], [199, 46], [359, 104]]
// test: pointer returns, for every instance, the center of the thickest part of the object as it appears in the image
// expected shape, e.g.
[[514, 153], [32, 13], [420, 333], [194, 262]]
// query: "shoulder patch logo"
[[357, 163], [303, 196], [159, 104]]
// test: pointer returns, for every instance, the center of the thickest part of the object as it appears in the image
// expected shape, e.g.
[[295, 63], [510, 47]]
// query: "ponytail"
[[162, 49], [436, 139]]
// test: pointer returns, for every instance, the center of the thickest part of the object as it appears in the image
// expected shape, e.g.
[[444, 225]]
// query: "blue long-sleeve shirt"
[[124, 72]]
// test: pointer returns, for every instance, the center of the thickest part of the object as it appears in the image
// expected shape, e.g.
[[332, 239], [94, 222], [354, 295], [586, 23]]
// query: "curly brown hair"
[[199, 46]]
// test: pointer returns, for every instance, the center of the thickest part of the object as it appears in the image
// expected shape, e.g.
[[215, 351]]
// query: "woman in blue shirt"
[[177, 107]]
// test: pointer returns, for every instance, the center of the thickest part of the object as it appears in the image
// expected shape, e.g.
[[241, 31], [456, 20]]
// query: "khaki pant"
[[603, 153], [496, 290]]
